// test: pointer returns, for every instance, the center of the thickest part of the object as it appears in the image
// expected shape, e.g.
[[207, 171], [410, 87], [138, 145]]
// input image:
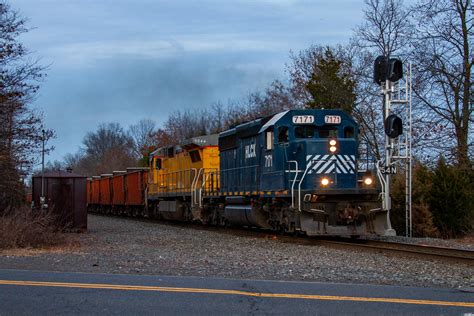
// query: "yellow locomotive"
[[181, 175]]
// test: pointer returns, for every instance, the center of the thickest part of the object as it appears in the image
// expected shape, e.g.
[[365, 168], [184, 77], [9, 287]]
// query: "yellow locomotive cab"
[[186, 169]]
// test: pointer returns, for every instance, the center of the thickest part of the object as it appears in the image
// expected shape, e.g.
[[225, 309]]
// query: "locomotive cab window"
[[283, 134], [158, 164], [328, 132], [304, 131], [348, 132], [269, 140], [195, 157]]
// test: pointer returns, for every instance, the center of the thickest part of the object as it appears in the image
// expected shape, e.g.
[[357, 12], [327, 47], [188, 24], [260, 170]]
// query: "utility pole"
[[42, 198]]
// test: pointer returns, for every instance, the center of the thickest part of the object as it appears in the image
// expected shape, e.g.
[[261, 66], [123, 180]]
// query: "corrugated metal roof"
[[59, 174]]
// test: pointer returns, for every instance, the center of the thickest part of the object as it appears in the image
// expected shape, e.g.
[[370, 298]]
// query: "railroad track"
[[419, 250]]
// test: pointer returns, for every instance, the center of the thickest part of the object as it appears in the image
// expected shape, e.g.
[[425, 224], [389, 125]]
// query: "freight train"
[[295, 171]]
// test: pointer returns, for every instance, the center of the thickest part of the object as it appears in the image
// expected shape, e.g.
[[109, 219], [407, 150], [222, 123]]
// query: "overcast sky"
[[123, 60]]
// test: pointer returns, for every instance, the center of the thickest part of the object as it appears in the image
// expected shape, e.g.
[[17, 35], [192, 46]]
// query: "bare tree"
[[276, 98], [216, 117], [142, 134], [444, 57], [105, 150], [20, 126], [385, 31]]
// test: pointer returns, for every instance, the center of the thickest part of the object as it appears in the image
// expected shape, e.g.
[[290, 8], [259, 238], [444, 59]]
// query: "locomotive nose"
[[329, 163]]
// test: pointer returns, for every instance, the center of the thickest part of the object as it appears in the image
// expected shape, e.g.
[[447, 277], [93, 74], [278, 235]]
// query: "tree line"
[[21, 131]]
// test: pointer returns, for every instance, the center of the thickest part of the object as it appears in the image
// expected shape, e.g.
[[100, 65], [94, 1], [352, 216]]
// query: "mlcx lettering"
[[250, 151]]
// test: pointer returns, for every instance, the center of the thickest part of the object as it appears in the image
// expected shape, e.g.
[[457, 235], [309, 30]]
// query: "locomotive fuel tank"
[[240, 212]]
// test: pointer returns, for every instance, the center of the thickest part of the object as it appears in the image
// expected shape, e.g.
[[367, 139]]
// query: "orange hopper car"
[[123, 192]]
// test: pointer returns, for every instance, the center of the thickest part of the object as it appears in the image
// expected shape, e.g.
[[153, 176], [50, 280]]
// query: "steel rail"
[[453, 254]]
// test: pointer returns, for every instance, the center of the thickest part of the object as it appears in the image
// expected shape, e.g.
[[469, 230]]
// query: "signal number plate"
[[303, 119], [332, 119]]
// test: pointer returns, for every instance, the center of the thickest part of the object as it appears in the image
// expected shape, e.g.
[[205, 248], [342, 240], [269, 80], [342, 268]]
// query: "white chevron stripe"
[[321, 159], [350, 162], [342, 164], [328, 164], [331, 168], [324, 164], [317, 165]]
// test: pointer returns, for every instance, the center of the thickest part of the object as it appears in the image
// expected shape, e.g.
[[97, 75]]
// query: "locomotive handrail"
[[196, 184], [225, 172], [204, 179], [293, 182], [383, 184], [308, 165], [192, 185], [245, 167]]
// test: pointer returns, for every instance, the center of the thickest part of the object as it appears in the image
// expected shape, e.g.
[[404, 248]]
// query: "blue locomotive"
[[298, 171], [295, 171]]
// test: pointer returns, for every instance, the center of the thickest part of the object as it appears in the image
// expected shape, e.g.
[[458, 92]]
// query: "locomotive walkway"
[[34, 292]]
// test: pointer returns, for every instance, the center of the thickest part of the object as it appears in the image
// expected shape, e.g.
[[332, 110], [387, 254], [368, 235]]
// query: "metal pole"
[[388, 155], [409, 150], [42, 199], [407, 164]]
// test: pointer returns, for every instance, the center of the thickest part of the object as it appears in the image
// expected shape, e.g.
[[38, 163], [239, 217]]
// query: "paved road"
[[35, 292]]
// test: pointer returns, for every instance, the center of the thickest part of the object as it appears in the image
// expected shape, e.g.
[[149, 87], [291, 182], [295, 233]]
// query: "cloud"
[[81, 54], [122, 60]]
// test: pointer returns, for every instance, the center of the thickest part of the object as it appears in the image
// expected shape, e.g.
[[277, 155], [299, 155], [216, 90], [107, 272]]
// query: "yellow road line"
[[237, 292]]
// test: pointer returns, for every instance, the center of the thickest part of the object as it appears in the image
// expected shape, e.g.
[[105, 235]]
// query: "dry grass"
[[26, 228]]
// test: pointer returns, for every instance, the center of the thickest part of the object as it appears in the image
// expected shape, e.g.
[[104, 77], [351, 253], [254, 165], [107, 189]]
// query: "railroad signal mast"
[[388, 73]]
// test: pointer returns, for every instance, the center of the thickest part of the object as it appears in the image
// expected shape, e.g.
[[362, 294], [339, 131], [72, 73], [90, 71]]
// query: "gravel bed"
[[118, 245]]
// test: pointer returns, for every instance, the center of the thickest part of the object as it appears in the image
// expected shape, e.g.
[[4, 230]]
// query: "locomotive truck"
[[295, 171]]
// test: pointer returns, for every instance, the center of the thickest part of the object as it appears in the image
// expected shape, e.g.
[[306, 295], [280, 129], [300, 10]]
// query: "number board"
[[332, 119], [388, 170], [303, 119]]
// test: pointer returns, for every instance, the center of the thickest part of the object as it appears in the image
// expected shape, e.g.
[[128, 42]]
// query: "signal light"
[[380, 69], [387, 69], [393, 126], [395, 70]]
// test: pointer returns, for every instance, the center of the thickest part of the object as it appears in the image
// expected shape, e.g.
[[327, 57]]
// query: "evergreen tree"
[[330, 87], [423, 225], [451, 199]]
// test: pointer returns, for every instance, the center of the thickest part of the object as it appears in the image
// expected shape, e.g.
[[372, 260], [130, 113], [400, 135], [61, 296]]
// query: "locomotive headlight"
[[332, 146], [368, 181], [324, 181]]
